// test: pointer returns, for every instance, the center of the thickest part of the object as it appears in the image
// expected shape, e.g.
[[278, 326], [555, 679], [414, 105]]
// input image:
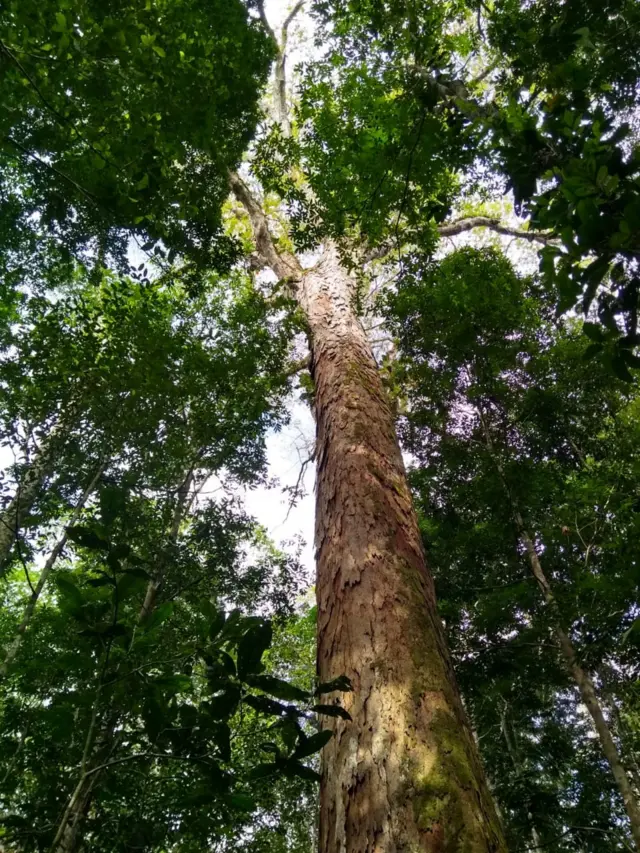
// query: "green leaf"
[[228, 664], [340, 683], [263, 705], [295, 768], [241, 802], [160, 52], [261, 771], [222, 706], [592, 350], [313, 744], [619, 367], [593, 331], [159, 615], [72, 599], [276, 687], [88, 538], [251, 648], [222, 739]]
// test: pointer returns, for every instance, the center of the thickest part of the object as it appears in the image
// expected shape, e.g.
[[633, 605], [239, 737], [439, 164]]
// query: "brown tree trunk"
[[405, 774]]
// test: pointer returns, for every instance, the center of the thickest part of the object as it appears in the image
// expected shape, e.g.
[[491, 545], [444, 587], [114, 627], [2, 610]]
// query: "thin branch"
[[296, 367], [492, 224], [163, 755], [290, 17], [280, 77]]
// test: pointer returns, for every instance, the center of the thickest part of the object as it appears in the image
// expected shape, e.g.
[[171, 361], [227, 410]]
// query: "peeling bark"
[[405, 774]]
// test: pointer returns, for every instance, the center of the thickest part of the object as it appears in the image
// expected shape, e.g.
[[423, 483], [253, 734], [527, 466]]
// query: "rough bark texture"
[[404, 776], [27, 492]]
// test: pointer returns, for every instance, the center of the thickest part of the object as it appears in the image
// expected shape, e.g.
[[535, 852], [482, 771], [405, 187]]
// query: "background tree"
[[525, 506]]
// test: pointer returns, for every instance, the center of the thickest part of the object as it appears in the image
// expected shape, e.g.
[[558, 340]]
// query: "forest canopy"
[[419, 222]]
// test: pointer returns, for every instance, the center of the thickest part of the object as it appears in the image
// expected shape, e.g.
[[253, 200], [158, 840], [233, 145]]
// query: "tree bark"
[[405, 774], [26, 493]]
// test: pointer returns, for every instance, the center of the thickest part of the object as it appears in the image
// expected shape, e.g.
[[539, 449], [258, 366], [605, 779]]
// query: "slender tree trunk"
[[582, 679], [69, 837], [405, 774], [587, 690], [14, 645], [536, 844]]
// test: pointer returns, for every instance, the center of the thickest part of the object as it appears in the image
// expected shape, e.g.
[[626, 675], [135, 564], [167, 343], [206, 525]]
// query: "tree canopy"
[[468, 172]]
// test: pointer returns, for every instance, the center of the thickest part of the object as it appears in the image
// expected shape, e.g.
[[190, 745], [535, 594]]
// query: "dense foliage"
[[156, 654]]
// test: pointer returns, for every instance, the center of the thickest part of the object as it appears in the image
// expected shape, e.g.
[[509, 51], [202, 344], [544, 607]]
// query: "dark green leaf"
[[313, 744]]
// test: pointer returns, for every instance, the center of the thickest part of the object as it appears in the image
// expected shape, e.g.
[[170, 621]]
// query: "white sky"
[[286, 452]]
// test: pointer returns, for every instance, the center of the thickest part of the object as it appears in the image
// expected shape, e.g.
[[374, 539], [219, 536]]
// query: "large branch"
[[284, 264], [472, 222], [282, 108], [459, 227], [265, 21]]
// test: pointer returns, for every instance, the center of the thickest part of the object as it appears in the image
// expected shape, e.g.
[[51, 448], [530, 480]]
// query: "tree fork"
[[405, 773]]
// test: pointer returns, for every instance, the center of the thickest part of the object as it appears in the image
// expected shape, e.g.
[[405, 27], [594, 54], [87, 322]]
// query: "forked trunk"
[[404, 776]]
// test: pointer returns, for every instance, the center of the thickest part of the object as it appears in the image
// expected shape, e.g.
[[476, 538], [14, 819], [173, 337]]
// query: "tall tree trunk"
[[14, 645], [582, 679], [405, 774]]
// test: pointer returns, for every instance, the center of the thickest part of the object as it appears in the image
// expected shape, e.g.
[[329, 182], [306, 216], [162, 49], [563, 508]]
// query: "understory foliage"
[[502, 415], [157, 687]]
